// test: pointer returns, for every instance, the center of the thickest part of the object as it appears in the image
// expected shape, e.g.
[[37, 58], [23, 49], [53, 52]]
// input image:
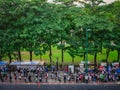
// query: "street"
[[59, 87]]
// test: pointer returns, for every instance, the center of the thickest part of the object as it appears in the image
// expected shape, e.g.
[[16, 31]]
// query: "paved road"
[[59, 87]]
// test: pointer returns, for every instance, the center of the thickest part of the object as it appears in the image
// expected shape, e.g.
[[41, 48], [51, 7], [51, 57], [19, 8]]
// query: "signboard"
[[81, 65], [104, 64], [71, 68], [83, 62], [27, 66], [115, 64]]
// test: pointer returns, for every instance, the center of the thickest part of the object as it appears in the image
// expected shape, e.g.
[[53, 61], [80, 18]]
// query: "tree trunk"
[[9, 56], [62, 50], [72, 59], [118, 58], [107, 55], [19, 55], [95, 60], [84, 56], [62, 56], [30, 55], [50, 54], [101, 44], [0, 57], [40, 57]]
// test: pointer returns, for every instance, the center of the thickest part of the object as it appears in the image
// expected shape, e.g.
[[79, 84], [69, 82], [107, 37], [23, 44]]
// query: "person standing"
[[15, 75], [59, 78], [40, 79], [25, 79], [65, 77], [86, 78], [1, 77], [77, 78], [10, 78], [46, 77], [29, 76]]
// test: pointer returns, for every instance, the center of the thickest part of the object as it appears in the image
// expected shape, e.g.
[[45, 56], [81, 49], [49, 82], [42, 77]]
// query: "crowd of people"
[[44, 75]]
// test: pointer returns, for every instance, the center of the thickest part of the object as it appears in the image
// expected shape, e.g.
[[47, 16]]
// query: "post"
[[86, 57], [57, 64]]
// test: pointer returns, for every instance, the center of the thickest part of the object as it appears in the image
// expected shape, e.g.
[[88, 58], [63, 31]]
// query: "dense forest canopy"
[[36, 26]]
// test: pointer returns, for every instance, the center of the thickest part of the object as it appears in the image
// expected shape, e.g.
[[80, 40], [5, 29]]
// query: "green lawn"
[[57, 53], [67, 59]]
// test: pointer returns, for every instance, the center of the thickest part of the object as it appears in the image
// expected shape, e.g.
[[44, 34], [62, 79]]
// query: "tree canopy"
[[36, 26]]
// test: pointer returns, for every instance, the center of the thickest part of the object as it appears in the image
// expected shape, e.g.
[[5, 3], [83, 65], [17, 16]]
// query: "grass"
[[67, 59]]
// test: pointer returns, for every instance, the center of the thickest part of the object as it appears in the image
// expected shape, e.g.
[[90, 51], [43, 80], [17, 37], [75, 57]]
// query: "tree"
[[64, 24], [48, 26], [33, 20], [113, 9], [8, 17], [93, 19]]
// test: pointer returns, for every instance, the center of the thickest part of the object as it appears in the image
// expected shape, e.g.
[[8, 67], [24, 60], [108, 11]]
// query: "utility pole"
[[86, 57]]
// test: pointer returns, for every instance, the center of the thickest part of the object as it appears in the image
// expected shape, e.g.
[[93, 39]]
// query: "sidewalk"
[[60, 83], [54, 82]]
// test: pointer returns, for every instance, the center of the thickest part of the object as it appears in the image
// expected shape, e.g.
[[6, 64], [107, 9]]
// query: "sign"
[[83, 62], [104, 64], [115, 64], [81, 65], [71, 68]]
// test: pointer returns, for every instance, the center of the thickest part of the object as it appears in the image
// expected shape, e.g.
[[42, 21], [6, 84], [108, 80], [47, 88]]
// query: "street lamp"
[[57, 64], [86, 55]]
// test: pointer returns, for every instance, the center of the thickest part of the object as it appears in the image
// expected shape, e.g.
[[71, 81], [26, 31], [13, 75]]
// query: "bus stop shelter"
[[29, 64]]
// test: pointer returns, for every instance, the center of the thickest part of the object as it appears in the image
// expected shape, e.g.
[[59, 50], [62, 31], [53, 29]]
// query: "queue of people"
[[43, 75]]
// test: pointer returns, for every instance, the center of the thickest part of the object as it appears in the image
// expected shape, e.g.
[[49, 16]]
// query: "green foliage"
[[35, 26]]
